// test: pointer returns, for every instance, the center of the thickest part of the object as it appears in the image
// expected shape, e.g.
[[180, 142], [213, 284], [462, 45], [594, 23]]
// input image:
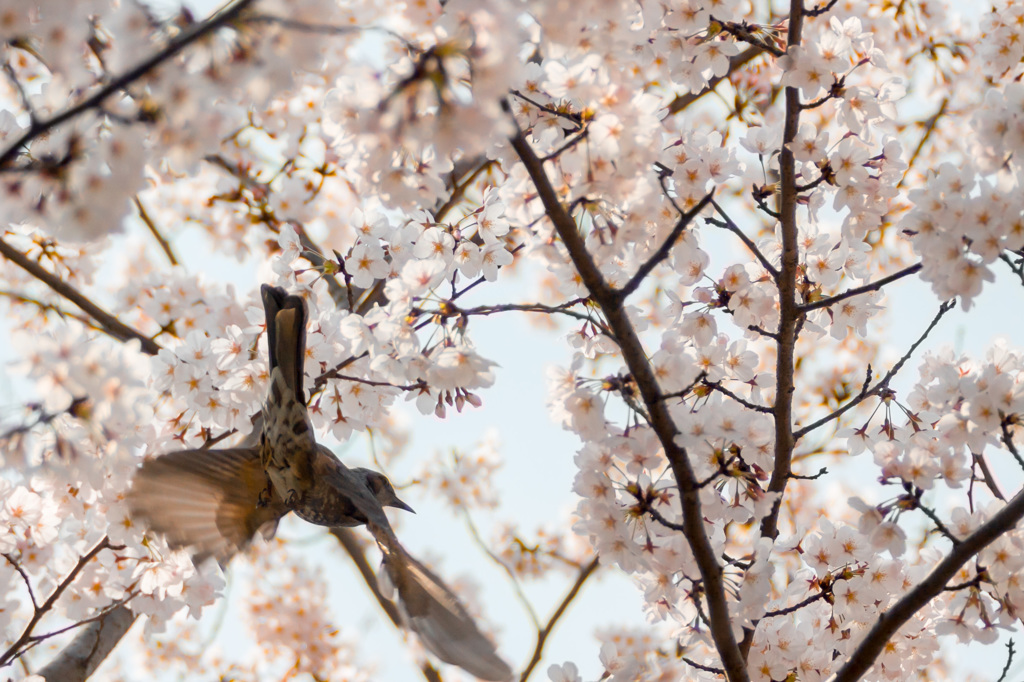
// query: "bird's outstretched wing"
[[206, 500], [435, 614]]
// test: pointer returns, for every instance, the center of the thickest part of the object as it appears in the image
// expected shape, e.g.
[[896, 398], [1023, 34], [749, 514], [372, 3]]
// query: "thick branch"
[[789, 309], [79, 659], [863, 657], [635, 356], [109, 323]]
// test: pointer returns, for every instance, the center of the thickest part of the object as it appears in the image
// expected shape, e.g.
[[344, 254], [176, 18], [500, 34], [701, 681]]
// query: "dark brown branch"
[[24, 640], [795, 607], [664, 426], [545, 632], [1008, 442], [735, 62], [717, 386], [561, 309], [883, 383], [821, 9], [747, 241], [863, 657], [116, 85], [24, 578], [1009, 659], [110, 324], [789, 309], [662, 253], [706, 668], [930, 513], [857, 291]]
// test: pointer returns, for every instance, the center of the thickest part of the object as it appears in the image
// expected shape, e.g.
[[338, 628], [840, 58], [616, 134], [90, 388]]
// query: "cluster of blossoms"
[[960, 225], [392, 137]]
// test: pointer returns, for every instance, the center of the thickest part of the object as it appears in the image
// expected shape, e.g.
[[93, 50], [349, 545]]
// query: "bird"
[[214, 501]]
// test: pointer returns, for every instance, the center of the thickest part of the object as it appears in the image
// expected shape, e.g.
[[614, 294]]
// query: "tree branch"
[[860, 660], [116, 85], [728, 224], [664, 426], [79, 659], [735, 62], [354, 549], [662, 253], [789, 309], [24, 641], [157, 235], [545, 632], [866, 392], [857, 291], [109, 323]]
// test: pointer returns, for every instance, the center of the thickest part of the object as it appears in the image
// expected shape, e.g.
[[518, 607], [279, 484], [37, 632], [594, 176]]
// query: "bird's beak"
[[401, 505]]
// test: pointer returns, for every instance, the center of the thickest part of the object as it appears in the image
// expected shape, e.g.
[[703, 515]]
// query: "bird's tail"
[[431, 610], [206, 500], [286, 337]]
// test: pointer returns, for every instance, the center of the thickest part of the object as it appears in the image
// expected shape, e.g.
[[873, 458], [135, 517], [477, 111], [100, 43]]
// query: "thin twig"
[[1009, 659], [666, 247], [795, 607], [155, 231], [24, 576], [119, 83], [857, 291], [16, 649], [883, 382], [939, 525], [747, 241], [933, 121], [717, 386], [544, 632], [1008, 442], [516, 584], [347, 538]]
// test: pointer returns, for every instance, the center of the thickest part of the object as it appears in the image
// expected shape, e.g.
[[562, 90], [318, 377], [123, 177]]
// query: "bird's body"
[[215, 501]]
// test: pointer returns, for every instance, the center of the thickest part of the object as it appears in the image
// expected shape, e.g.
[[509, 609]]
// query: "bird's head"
[[381, 488]]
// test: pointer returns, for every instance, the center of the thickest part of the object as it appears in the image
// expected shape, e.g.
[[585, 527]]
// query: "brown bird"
[[215, 501]]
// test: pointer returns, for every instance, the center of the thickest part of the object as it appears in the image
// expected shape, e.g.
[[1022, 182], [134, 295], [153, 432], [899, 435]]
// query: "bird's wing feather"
[[436, 615], [207, 500]]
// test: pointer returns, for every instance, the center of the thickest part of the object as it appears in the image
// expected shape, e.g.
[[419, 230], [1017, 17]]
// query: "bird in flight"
[[214, 501]]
